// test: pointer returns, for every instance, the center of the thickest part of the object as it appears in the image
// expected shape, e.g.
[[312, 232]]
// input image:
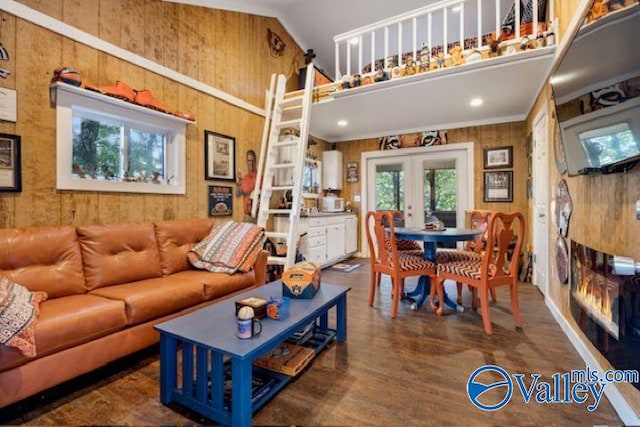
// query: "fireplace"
[[606, 306]]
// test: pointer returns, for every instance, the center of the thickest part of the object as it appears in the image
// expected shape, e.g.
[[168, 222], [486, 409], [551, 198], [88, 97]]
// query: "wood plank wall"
[[483, 137], [223, 49], [603, 216]]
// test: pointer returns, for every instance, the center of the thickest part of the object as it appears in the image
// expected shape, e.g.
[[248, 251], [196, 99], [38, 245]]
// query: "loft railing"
[[356, 39]]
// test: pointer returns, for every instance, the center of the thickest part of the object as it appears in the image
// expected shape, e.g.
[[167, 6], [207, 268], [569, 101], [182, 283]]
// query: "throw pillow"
[[19, 311]]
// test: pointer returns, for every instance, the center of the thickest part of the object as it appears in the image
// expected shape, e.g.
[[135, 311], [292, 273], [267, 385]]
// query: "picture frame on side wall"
[[219, 156], [10, 163], [498, 186], [498, 158], [220, 200]]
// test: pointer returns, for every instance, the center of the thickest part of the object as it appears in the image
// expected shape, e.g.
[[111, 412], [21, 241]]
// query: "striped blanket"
[[229, 247]]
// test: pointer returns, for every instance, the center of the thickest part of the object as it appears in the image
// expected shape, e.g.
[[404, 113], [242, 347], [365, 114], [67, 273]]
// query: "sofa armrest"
[[260, 268]]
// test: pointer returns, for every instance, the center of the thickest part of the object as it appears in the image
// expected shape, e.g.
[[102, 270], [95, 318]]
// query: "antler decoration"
[[276, 45]]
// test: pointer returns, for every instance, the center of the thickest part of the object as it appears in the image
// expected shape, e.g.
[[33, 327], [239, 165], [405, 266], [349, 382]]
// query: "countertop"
[[320, 214]]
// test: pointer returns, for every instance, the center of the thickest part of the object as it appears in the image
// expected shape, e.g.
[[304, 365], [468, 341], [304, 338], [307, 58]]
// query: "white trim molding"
[[23, 12]]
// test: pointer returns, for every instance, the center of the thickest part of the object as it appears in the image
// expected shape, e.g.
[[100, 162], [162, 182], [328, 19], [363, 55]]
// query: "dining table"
[[430, 239]]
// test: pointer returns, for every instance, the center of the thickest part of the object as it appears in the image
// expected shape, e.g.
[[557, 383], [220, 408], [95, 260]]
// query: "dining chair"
[[497, 266], [473, 249], [387, 259]]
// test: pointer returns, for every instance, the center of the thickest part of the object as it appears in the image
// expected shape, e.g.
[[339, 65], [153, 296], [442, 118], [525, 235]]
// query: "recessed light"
[[476, 102], [342, 123], [354, 40]]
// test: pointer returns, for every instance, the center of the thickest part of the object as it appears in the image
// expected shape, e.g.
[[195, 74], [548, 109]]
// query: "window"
[[105, 144]]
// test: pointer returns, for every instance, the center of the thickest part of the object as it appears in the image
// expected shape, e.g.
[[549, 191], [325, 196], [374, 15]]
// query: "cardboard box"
[[287, 358], [301, 281]]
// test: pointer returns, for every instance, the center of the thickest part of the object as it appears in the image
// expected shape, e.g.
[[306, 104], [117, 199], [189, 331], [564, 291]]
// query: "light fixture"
[[456, 9], [476, 102], [342, 123], [354, 41]]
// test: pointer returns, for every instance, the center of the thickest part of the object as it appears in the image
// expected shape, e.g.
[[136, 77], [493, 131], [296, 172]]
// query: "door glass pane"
[[390, 187], [440, 197]]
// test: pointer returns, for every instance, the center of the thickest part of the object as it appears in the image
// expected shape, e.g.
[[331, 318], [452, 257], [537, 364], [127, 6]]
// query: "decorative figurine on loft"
[[381, 75], [425, 58], [456, 55], [494, 46], [598, 10]]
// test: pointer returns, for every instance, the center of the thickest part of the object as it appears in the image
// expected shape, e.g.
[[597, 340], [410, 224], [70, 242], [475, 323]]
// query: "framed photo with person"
[[498, 186], [498, 158], [219, 156], [10, 163]]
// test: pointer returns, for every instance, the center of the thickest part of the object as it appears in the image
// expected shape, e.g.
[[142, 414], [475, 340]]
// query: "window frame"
[[67, 98]]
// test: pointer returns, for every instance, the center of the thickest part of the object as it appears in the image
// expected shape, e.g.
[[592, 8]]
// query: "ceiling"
[[435, 100]]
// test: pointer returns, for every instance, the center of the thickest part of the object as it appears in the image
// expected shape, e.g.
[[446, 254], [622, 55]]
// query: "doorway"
[[540, 177], [419, 181]]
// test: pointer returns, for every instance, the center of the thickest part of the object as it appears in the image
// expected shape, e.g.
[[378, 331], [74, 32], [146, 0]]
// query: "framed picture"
[[352, 172], [498, 158], [220, 200], [498, 186], [10, 163], [219, 156]]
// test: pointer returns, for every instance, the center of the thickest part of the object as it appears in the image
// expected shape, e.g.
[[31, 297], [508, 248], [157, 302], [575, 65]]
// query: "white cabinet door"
[[351, 234], [335, 241], [332, 170]]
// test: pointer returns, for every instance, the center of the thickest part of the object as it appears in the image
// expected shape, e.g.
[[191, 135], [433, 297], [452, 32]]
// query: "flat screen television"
[[596, 90]]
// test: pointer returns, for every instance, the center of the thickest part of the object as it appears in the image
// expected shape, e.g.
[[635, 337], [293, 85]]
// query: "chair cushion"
[[453, 255], [409, 262], [465, 268], [403, 245]]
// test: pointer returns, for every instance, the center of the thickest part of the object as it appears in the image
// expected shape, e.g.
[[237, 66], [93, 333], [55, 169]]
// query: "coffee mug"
[[249, 328]]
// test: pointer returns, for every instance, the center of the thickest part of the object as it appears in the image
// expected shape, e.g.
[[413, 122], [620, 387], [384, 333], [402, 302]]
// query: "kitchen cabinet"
[[330, 238], [332, 170]]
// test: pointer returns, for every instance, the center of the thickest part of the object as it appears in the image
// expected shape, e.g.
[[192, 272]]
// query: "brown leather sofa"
[[107, 286]]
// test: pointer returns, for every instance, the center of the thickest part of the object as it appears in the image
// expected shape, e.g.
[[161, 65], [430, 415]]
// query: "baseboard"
[[619, 403]]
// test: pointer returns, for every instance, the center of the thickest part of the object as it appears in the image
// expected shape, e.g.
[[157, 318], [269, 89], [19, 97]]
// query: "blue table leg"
[[168, 367], [241, 408], [341, 319], [423, 289]]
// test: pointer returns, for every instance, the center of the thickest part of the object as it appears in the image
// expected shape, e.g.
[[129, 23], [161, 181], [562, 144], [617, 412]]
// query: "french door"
[[420, 181]]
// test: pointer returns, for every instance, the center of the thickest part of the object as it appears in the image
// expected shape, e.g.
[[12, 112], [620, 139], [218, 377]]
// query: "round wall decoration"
[[562, 260], [558, 149], [564, 207]]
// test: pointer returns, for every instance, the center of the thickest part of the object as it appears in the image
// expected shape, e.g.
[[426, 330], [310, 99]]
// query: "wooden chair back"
[[478, 220], [500, 260]]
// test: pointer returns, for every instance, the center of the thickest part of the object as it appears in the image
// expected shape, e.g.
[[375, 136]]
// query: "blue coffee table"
[[207, 340]]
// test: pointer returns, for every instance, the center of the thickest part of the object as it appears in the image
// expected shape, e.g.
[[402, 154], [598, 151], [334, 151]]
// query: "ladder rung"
[[286, 110], [288, 123], [295, 94], [286, 143], [279, 211], [276, 235], [281, 188], [283, 166], [277, 260], [291, 101]]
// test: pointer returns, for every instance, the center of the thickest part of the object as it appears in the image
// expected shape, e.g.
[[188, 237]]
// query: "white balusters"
[[517, 23], [338, 76], [399, 43], [497, 18], [462, 25], [445, 47], [415, 37], [359, 70], [429, 28], [479, 24], [386, 47]]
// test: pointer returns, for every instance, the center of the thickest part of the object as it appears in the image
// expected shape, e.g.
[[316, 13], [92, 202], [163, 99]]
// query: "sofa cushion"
[[44, 259], [176, 238], [218, 284], [118, 253], [152, 298], [69, 321]]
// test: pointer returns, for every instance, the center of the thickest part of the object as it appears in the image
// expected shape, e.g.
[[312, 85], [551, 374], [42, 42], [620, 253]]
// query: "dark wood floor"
[[409, 371]]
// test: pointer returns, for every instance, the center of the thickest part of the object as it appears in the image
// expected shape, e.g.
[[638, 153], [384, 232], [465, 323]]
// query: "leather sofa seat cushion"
[[118, 253], [176, 238], [67, 322], [44, 259], [218, 284], [152, 298]]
